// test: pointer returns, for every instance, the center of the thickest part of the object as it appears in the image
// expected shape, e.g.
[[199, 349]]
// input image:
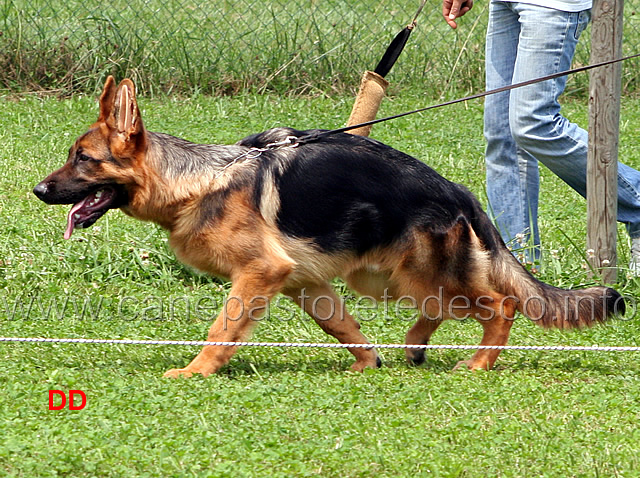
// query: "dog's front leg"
[[247, 302]]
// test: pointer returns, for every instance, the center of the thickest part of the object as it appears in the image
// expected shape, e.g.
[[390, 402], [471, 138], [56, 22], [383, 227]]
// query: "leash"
[[315, 136], [201, 343]]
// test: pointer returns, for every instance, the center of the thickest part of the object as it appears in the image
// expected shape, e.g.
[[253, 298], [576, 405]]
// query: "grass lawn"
[[293, 412]]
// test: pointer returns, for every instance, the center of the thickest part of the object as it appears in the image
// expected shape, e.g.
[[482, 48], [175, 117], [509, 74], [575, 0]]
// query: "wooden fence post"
[[604, 117]]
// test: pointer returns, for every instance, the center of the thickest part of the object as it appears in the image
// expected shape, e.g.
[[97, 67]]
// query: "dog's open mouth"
[[90, 209]]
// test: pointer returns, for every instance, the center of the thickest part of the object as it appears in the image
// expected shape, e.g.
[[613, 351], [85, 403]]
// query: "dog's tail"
[[549, 306]]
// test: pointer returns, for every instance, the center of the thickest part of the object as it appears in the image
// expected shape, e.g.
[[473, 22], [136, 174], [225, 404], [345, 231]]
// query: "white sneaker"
[[634, 263]]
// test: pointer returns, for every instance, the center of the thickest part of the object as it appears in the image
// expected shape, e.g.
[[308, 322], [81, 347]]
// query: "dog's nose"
[[41, 190]]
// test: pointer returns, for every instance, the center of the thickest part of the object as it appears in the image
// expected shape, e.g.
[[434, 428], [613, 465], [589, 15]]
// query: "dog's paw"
[[471, 365], [178, 373], [360, 365], [462, 365], [415, 357]]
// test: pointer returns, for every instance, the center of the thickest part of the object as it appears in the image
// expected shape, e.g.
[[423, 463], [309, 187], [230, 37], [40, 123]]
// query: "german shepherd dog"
[[290, 219]]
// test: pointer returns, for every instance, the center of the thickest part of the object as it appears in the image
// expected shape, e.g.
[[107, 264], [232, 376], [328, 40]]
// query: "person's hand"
[[452, 9]]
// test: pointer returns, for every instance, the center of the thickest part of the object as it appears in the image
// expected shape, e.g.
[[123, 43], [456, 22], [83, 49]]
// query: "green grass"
[[274, 412], [226, 46], [219, 47]]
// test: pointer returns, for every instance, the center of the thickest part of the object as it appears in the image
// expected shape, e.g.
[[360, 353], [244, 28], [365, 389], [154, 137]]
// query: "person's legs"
[[512, 174], [547, 43]]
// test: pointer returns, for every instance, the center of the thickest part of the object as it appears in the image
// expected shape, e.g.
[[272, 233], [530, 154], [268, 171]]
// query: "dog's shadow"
[[244, 366]]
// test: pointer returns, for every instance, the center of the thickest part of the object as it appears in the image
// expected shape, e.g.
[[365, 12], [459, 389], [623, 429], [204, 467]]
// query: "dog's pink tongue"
[[70, 220]]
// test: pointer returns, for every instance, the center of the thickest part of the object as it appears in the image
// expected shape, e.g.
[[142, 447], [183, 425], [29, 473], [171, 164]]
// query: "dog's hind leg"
[[495, 332], [322, 304], [420, 334], [247, 302]]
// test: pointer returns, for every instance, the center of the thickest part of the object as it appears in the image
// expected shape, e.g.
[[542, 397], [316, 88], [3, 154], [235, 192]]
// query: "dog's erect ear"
[[125, 116], [106, 99]]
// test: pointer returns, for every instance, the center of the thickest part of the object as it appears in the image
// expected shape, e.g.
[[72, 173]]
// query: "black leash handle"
[[313, 137]]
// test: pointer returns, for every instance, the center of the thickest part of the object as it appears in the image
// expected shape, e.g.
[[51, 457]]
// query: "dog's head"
[[104, 164]]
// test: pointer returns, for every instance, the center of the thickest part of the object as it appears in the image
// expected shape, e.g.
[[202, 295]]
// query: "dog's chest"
[[198, 254]]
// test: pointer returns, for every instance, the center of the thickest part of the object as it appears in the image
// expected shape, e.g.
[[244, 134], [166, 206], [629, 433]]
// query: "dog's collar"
[[253, 153]]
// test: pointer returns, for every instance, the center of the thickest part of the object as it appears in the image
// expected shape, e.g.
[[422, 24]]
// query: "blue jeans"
[[524, 125]]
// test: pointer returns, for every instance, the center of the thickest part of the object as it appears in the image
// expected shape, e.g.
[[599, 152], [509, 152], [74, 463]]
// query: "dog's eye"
[[83, 157]]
